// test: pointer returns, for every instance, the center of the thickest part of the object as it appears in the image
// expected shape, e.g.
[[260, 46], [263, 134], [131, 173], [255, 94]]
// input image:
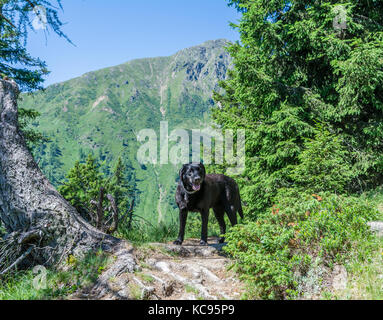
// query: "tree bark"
[[33, 213]]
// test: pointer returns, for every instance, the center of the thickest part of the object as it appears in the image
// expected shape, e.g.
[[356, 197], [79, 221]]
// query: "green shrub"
[[276, 252], [324, 164]]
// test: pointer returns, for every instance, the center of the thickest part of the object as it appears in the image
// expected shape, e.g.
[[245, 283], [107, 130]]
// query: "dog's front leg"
[[181, 235], [205, 221]]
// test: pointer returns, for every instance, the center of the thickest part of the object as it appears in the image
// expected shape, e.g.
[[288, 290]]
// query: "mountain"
[[103, 111]]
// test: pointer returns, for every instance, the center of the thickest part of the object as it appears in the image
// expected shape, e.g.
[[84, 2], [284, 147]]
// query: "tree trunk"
[[36, 217]]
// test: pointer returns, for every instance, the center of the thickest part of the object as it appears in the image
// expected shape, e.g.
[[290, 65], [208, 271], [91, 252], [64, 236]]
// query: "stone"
[[376, 227]]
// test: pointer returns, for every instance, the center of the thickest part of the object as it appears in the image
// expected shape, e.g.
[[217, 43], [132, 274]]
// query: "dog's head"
[[192, 176]]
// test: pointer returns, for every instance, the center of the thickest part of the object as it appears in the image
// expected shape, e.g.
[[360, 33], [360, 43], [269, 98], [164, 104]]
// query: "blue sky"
[[108, 33]]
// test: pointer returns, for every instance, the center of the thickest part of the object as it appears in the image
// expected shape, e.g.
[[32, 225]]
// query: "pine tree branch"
[[7, 20]]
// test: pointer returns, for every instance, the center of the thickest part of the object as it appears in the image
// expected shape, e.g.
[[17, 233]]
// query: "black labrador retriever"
[[199, 192]]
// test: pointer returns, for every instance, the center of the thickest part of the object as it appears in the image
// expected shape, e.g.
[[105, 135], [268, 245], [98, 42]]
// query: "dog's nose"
[[197, 180]]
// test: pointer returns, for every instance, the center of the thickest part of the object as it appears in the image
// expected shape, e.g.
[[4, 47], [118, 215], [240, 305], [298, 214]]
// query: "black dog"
[[198, 192]]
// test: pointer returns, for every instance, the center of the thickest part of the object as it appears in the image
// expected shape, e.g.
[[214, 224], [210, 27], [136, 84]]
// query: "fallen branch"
[[18, 260]]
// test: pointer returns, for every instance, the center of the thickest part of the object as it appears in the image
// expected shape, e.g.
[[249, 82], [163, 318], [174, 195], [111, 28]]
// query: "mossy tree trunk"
[[42, 227]]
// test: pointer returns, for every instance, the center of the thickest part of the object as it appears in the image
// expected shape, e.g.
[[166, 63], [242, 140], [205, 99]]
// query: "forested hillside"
[[103, 111]]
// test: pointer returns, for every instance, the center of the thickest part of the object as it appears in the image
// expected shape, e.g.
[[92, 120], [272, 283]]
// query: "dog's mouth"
[[196, 187]]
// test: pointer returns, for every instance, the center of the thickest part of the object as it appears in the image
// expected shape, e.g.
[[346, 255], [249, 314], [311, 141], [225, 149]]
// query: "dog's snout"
[[197, 180]]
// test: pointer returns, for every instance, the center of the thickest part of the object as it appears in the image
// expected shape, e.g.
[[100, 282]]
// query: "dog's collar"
[[190, 192]]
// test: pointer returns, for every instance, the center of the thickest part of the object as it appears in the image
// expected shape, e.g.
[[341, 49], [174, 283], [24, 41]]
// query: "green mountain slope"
[[103, 111]]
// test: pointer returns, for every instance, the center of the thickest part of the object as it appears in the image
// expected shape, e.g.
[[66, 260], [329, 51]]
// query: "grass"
[[190, 289], [145, 277], [365, 277], [291, 248], [143, 232], [365, 268], [135, 291], [54, 284]]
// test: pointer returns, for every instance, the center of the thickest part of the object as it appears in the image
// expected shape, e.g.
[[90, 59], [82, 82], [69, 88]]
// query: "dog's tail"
[[240, 210]]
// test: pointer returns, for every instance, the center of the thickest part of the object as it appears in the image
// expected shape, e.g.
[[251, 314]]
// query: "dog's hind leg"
[[231, 213], [220, 216]]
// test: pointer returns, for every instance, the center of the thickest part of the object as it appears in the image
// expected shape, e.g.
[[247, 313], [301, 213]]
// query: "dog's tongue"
[[196, 188]]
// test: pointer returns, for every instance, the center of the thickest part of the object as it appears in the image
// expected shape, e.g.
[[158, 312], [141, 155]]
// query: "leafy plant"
[[276, 252]]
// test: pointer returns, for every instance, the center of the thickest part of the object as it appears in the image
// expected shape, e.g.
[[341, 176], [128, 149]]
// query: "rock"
[[377, 227], [162, 266], [124, 293], [190, 251], [124, 263], [196, 272], [340, 276], [147, 292]]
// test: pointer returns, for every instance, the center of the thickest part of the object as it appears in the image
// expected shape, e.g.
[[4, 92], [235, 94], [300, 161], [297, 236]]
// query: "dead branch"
[[100, 211], [128, 213], [18, 260], [114, 225]]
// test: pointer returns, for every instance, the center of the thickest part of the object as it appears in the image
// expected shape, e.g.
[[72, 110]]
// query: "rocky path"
[[189, 272], [168, 272]]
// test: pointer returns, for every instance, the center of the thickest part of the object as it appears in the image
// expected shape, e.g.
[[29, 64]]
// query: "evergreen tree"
[[53, 163], [16, 20], [84, 184], [300, 63], [119, 186], [33, 137]]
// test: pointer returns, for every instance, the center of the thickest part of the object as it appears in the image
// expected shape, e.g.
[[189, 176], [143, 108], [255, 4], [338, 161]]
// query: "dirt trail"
[[191, 272], [168, 272]]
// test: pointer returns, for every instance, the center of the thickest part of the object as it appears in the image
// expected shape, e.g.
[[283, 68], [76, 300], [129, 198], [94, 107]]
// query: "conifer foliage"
[[17, 19], [100, 199], [300, 64]]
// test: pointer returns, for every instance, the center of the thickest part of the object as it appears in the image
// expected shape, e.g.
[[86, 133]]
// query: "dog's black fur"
[[199, 192]]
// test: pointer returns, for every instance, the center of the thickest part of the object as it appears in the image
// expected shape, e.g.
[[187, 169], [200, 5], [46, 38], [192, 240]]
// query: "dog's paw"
[[203, 243], [178, 242]]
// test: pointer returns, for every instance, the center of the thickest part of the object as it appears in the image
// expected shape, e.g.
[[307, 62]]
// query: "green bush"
[[324, 164], [276, 252]]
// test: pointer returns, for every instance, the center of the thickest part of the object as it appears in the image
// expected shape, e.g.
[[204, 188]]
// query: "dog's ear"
[[201, 165], [182, 172]]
